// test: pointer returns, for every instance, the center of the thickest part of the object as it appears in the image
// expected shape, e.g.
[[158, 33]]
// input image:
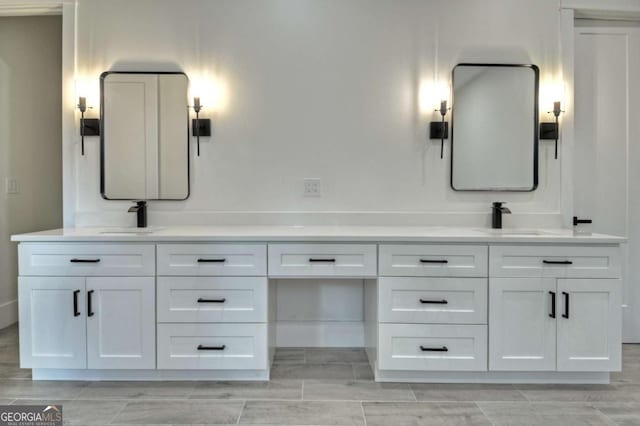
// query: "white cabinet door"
[[121, 323], [522, 330], [589, 325], [52, 322]]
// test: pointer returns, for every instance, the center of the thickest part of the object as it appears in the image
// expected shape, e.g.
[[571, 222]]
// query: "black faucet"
[[141, 210], [496, 217]]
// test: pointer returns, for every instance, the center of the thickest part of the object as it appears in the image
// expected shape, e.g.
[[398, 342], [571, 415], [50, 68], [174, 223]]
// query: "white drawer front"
[[555, 261], [417, 347], [322, 260], [433, 260], [76, 259], [433, 300], [212, 259], [212, 346], [212, 299]]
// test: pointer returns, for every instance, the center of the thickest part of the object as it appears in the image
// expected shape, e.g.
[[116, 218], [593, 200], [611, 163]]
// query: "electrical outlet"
[[312, 187], [11, 185]]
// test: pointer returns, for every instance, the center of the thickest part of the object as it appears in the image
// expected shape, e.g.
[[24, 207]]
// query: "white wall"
[[324, 89], [30, 139], [318, 88]]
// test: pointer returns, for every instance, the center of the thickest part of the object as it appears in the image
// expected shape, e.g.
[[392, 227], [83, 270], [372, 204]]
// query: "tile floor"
[[325, 387]]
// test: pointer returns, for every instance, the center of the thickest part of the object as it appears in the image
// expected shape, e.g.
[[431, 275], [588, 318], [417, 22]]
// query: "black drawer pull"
[[434, 302], [212, 260], [211, 348], [442, 261], [557, 262], [201, 300], [426, 349], [566, 305], [76, 312], [553, 304], [84, 260], [89, 303], [311, 259]]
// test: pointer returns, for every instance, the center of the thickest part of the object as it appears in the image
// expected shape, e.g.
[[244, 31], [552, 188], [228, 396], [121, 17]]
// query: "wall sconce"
[[199, 126], [440, 129], [88, 126], [551, 130]]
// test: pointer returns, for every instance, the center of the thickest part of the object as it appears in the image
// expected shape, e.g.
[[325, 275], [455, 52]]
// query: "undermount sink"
[[130, 231]]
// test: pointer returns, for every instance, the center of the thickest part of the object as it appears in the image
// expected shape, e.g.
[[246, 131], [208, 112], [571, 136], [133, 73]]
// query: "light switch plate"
[[312, 187], [11, 185]]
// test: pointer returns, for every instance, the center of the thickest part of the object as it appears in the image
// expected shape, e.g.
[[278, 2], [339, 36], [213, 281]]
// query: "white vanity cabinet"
[[433, 313], [541, 321], [52, 322], [212, 307], [90, 321], [455, 306]]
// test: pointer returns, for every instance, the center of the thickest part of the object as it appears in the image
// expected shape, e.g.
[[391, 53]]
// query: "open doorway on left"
[[30, 139]]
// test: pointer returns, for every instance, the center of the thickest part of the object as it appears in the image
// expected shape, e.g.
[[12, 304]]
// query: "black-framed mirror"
[[494, 127], [144, 136]]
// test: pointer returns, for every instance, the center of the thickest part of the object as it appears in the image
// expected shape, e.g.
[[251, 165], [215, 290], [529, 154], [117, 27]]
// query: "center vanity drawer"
[[561, 261], [317, 260], [417, 347], [433, 260], [212, 346], [212, 259], [433, 300], [78, 259], [212, 299]]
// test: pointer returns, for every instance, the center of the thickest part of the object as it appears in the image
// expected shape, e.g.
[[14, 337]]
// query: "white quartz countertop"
[[316, 233]]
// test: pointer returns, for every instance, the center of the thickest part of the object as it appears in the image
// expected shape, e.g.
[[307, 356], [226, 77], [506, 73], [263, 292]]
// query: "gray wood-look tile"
[[312, 371], [622, 413], [362, 371], [81, 412], [460, 392], [179, 412], [335, 356], [40, 389], [356, 390], [581, 393], [138, 390], [13, 371], [302, 413], [9, 354], [289, 356], [273, 389], [423, 413], [543, 413]]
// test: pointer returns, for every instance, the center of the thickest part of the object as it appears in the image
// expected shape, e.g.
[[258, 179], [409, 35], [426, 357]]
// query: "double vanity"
[[440, 304]]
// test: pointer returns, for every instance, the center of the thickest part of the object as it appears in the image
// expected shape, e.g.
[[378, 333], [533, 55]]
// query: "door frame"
[[570, 10], [70, 124]]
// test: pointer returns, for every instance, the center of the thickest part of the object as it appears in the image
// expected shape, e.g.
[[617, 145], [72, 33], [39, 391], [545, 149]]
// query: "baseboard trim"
[[153, 375], [8, 313], [541, 377]]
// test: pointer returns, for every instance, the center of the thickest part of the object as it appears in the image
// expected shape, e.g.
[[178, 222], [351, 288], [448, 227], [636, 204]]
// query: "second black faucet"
[[141, 212]]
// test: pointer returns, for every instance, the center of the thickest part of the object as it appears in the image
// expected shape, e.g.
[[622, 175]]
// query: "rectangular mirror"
[[144, 137], [494, 137]]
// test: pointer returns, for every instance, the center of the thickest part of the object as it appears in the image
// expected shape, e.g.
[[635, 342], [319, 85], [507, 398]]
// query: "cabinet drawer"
[[212, 259], [557, 261], [433, 300], [432, 347], [212, 346], [433, 260], [77, 259], [212, 299], [322, 260]]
